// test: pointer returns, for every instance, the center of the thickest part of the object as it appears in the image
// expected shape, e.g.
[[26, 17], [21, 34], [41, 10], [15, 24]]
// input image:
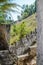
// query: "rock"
[[7, 58], [33, 62], [28, 40], [28, 60]]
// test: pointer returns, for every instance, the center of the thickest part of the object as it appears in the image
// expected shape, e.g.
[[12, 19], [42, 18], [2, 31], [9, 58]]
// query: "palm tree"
[[6, 7]]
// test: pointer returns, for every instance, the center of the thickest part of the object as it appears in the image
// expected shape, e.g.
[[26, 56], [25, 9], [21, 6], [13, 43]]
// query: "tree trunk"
[[3, 37], [40, 32]]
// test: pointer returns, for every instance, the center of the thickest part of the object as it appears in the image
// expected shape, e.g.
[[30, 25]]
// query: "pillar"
[[39, 32]]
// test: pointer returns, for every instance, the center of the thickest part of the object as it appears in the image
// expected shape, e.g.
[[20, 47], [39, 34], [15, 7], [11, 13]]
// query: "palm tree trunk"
[[4, 36], [40, 32]]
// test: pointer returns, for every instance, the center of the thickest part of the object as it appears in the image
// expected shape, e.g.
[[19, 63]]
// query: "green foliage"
[[3, 1], [6, 7], [21, 29], [27, 10]]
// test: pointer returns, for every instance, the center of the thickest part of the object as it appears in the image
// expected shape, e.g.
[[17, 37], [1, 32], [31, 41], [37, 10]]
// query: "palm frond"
[[1, 1], [8, 6]]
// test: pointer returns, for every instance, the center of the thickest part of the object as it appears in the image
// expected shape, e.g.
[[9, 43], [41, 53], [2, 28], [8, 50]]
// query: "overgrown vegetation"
[[6, 7], [27, 11], [20, 29]]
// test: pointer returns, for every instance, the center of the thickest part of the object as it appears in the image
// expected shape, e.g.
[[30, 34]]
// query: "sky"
[[21, 2]]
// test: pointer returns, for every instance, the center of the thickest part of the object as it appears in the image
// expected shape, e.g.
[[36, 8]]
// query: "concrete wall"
[[40, 32]]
